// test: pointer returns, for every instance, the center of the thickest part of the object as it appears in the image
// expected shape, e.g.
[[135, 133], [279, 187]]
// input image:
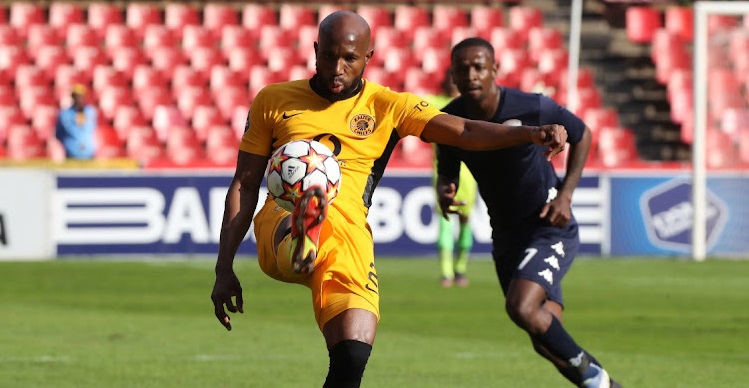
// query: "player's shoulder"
[[283, 87]]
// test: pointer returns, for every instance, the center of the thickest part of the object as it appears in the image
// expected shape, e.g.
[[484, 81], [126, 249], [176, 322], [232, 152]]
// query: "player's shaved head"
[[345, 26], [342, 52]]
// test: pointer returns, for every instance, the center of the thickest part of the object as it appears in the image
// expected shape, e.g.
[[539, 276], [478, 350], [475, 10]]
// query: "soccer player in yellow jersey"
[[329, 249]]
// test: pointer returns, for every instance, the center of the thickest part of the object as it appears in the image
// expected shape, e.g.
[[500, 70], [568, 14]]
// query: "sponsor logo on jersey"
[[362, 124], [513, 122], [287, 116]]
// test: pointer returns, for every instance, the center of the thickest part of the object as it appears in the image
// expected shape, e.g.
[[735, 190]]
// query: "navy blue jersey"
[[514, 182]]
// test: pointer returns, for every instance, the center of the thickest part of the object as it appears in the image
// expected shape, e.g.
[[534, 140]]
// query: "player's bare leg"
[[527, 306], [349, 337]]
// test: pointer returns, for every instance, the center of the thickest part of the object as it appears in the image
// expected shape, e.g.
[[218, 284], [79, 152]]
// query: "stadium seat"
[[81, 35], [408, 17], [25, 14], [10, 115], [679, 20], [107, 76], [194, 37], [257, 16], [522, 19], [283, 58], [49, 58], [179, 15], [28, 76], [31, 97], [233, 37], [239, 120], [274, 37], [717, 23], [7, 96], [24, 144], [735, 122], [397, 59], [221, 146], [43, 121], [597, 118], [111, 98], [140, 15], [203, 117], [300, 72], [323, 10], [485, 17], [217, 15], [541, 39], [722, 151], [222, 76], [185, 76], [616, 146], [504, 38], [39, 35], [66, 75], [260, 76], [142, 145], [457, 34], [149, 98], [445, 17], [125, 118], [641, 23], [421, 83], [202, 59], [549, 60], [9, 37], [227, 99], [435, 61], [11, 57], [391, 37], [376, 15], [103, 14], [108, 144], [126, 60], [240, 60], [119, 36], [533, 80], [190, 98], [63, 14], [54, 150], [158, 37], [291, 16], [427, 37], [167, 59]]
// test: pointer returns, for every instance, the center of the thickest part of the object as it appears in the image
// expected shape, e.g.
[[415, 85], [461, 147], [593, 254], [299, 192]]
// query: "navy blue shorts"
[[543, 256]]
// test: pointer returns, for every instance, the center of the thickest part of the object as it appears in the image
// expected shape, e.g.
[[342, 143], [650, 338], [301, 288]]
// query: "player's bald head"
[[344, 26]]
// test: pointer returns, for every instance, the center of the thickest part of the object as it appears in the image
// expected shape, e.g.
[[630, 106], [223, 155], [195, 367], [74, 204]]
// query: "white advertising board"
[[25, 231]]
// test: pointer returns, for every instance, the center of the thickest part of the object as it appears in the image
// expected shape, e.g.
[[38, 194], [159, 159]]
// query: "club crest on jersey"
[[362, 124]]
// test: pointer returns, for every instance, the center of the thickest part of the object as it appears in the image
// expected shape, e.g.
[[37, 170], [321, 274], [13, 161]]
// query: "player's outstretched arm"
[[477, 135], [241, 200]]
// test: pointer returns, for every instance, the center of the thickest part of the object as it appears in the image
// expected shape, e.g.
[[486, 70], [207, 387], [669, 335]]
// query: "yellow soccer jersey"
[[362, 131]]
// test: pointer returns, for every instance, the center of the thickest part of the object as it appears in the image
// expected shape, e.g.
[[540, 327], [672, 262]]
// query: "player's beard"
[[348, 91]]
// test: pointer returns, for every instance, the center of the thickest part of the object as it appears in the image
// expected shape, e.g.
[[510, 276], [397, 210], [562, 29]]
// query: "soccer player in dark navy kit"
[[534, 235]]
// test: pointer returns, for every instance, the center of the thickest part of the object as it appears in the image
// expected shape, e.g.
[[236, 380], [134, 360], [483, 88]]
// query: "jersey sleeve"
[[553, 113], [410, 112], [258, 133]]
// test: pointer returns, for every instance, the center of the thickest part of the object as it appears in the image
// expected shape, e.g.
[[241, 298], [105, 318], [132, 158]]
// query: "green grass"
[[653, 323]]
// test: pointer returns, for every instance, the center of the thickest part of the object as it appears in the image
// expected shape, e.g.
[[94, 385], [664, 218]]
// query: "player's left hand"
[[227, 286], [553, 136], [557, 212], [446, 199]]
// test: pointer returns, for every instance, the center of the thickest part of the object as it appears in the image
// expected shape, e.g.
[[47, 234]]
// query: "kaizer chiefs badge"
[[362, 124]]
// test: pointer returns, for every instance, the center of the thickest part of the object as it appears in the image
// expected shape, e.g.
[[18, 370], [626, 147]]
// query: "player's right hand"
[[446, 199], [553, 136], [227, 286]]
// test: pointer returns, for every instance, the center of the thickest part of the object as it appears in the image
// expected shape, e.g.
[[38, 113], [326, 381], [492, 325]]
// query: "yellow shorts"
[[344, 276]]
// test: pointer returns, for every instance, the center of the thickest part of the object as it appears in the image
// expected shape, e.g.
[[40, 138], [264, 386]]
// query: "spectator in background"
[[76, 126], [454, 264]]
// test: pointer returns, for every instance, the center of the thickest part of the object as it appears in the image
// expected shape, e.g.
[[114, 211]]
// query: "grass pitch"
[[84, 323]]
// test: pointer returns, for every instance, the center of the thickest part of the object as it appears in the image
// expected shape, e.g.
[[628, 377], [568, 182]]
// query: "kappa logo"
[[287, 116], [552, 194], [513, 122], [362, 124], [553, 262], [547, 275], [558, 248]]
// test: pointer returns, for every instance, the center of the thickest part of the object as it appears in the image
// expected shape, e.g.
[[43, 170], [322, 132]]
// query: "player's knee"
[[520, 311], [348, 359]]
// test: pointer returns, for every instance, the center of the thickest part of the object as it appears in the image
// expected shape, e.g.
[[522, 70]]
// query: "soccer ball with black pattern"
[[298, 165]]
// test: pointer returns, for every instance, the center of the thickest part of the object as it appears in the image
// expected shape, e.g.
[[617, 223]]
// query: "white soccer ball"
[[298, 165]]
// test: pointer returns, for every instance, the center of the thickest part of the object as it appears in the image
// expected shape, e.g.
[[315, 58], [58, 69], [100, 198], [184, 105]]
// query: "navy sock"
[[560, 343]]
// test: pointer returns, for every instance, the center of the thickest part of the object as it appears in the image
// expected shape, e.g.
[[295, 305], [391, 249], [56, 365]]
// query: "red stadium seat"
[[641, 23], [680, 22], [11, 57], [126, 117], [179, 15], [40, 35], [194, 37], [425, 37], [110, 98], [10, 115], [221, 146], [504, 38], [9, 36], [616, 146], [7, 96], [233, 37], [28, 76], [735, 122], [125, 60], [239, 120], [421, 83], [523, 18], [108, 144], [291, 16], [282, 59], [435, 61], [260, 76], [101, 15], [376, 15], [81, 35], [448, 16], [118, 36], [397, 59], [66, 75], [106, 76], [63, 14], [242, 59], [23, 15], [550, 59], [459, 34], [227, 99], [149, 98], [167, 59], [143, 145], [202, 59], [485, 18], [300, 72], [216, 16], [717, 23], [24, 144], [158, 37], [257, 16], [222, 76], [167, 118], [205, 116], [306, 38], [49, 58], [139, 15], [274, 37], [31, 97], [186, 76], [323, 10], [408, 17], [43, 120], [722, 151], [190, 98], [541, 39]]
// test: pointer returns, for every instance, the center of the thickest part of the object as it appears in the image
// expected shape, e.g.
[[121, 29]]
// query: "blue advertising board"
[[181, 214], [653, 216]]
